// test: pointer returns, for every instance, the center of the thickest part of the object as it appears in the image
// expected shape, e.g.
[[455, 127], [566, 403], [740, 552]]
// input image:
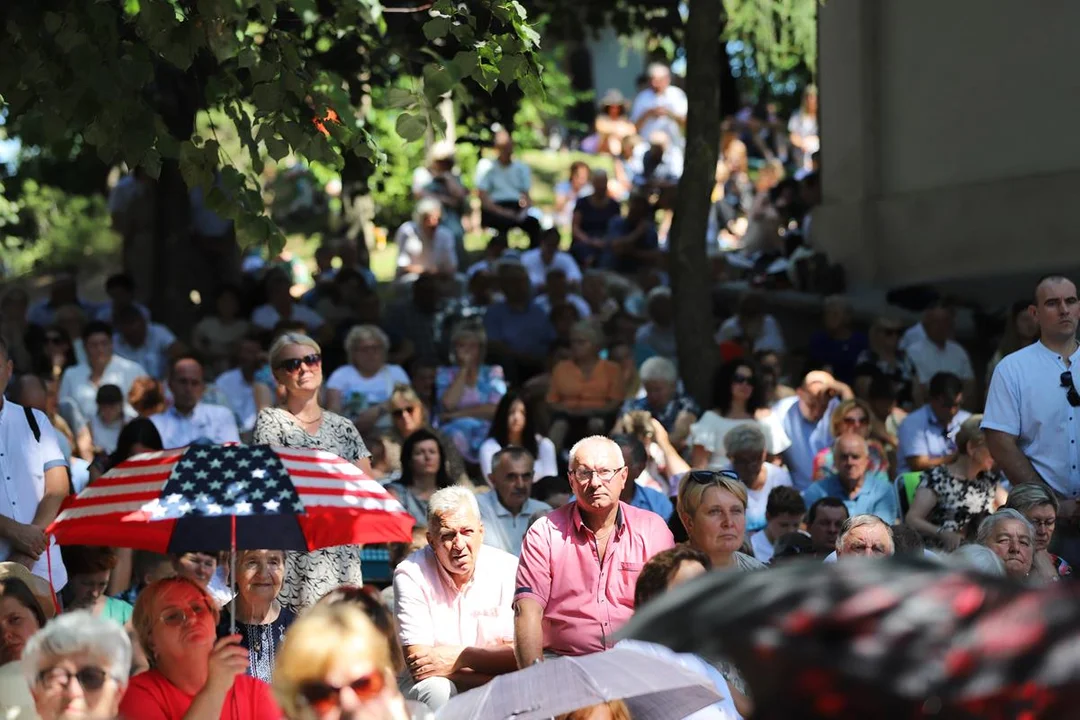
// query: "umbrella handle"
[[48, 561], [232, 578]]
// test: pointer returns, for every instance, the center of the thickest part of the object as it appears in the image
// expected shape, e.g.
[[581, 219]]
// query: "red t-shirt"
[[150, 696]]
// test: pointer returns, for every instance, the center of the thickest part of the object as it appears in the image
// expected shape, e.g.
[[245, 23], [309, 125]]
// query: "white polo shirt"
[[206, 422], [23, 462], [533, 260], [928, 360], [1026, 400]]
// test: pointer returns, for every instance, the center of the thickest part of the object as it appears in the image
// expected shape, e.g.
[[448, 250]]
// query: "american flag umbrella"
[[209, 498]]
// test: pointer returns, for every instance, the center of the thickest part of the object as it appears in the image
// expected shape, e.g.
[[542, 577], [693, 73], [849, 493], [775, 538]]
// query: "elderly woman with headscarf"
[[301, 422], [193, 673], [83, 649], [1040, 506], [361, 389], [1012, 538]]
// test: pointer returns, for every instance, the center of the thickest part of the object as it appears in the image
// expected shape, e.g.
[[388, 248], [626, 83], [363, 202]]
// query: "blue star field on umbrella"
[[226, 480]]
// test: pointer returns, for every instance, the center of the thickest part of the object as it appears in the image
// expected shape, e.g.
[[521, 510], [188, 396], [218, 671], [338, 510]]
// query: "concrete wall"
[[927, 175]]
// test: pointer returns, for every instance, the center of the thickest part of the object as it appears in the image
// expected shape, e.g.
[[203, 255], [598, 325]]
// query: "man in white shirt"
[[190, 421], [80, 383], [238, 384], [33, 483], [661, 107], [507, 509], [938, 353], [423, 244], [504, 189], [143, 342], [542, 260], [1032, 418]]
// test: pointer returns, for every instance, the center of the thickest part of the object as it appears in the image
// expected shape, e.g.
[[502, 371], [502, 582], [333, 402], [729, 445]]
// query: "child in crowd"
[[783, 514], [106, 424]]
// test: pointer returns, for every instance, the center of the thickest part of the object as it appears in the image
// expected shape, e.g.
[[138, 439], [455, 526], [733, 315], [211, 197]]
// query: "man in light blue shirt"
[[635, 494], [928, 435], [861, 494], [507, 510], [190, 421], [799, 418]]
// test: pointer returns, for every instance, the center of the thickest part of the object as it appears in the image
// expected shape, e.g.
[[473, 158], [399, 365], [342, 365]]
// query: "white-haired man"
[[453, 603], [865, 536], [661, 107], [580, 563], [77, 667]]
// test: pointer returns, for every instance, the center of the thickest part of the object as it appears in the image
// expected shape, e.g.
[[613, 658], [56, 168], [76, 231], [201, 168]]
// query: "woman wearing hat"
[[612, 124], [25, 605]]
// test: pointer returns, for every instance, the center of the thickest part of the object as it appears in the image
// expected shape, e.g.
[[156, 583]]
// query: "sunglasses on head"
[[708, 477], [293, 364], [323, 697], [1070, 389]]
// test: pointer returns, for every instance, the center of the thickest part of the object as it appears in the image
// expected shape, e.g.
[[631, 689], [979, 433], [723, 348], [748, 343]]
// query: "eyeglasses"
[[177, 616], [1043, 524], [90, 678], [1070, 394], [708, 477], [292, 365], [585, 475], [323, 697], [857, 421], [401, 412], [739, 379]]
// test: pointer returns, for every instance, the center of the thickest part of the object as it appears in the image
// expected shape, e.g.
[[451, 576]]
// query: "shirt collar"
[[1054, 355], [621, 522]]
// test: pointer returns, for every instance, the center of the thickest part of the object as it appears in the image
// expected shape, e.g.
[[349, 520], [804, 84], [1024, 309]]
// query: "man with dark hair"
[[928, 435], [143, 342], [939, 353], [190, 421], [121, 291], [239, 385], [634, 493], [33, 482], [784, 512], [824, 520], [506, 510], [80, 383]]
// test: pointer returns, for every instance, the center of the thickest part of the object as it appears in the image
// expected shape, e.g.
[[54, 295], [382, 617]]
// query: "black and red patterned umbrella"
[[902, 638]]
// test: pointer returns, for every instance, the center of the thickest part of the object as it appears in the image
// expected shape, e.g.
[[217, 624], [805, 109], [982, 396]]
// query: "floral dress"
[[959, 501], [469, 433], [310, 575]]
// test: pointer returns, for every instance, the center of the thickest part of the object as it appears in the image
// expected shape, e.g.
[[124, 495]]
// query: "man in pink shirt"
[[453, 602], [579, 565]]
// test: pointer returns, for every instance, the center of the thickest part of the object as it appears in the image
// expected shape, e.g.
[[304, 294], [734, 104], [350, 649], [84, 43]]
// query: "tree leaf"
[[410, 126], [151, 163], [436, 28], [437, 81], [276, 148], [399, 98]]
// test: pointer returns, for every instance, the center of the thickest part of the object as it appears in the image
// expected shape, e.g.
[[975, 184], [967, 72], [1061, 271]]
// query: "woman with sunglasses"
[[885, 357], [335, 664], [737, 400], [193, 673], [301, 422], [852, 416], [78, 667], [408, 414], [712, 508], [950, 496]]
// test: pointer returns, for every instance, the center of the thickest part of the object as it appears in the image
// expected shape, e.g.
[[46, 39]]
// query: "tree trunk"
[[176, 264], [689, 263]]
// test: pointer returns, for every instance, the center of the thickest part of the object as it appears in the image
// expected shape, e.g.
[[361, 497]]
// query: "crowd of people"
[[529, 415]]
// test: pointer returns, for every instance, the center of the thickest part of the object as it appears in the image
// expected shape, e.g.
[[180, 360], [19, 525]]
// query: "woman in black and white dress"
[[301, 422]]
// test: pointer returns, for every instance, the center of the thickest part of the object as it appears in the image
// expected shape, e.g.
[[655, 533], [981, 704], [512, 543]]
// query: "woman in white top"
[[738, 400], [514, 423], [361, 390], [423, 244]]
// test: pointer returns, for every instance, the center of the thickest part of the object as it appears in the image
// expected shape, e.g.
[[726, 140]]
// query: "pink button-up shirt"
[[430, 610], [585, 601]]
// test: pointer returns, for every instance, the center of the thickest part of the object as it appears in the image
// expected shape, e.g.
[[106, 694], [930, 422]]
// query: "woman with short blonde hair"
[[332, 648], [712, 508], [360, 390], [296, 361]]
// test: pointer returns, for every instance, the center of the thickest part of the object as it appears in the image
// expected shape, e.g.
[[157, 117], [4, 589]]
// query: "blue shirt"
[[799, 457], [527, 331], [922, 435], [876, 497], [645, 498]]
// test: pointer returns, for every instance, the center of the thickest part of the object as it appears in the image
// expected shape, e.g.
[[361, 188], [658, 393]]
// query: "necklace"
[[314, 420]]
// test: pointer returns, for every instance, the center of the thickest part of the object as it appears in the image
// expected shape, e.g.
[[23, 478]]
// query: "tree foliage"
[[127, 79]]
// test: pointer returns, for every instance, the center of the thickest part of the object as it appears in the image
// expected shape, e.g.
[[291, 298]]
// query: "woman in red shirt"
[[194, 675]]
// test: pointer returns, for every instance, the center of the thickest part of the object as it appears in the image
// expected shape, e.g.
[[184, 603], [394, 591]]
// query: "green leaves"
[[411, 126], [436, 28]]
